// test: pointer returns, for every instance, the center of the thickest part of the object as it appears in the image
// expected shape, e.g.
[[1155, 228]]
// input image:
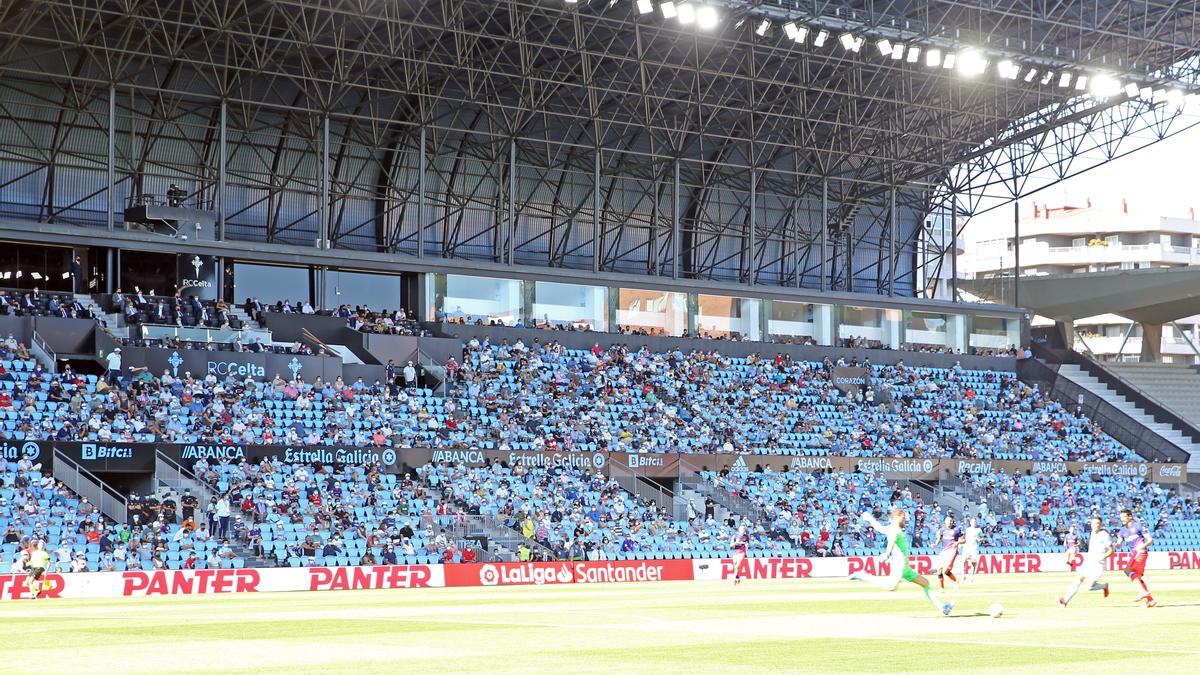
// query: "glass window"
[[269, 283], [792, 322], [655, 312], [926, 329], [374, 291], [471, 299], [861, 323], [721, 316], [583, 307], [994, 333]]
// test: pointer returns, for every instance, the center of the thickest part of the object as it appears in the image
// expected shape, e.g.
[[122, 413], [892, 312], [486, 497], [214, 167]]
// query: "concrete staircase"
[[114, 322], [1171, 434], [696, 498], [1174, 386], [241, 314]]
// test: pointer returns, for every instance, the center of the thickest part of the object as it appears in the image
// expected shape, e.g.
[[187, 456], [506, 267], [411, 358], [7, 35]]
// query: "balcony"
[[993, 258]]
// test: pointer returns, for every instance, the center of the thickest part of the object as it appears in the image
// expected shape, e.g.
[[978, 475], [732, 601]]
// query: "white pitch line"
[[998, 643]]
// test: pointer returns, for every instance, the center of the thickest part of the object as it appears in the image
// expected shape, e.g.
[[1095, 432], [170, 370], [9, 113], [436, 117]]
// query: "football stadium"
[[599, 336]]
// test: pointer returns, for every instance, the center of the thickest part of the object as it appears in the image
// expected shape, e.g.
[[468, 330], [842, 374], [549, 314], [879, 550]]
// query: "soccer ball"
[[996, 610]]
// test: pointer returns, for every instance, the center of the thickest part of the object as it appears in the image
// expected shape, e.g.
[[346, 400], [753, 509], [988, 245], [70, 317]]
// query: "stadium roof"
[[1151, 296], [585, 135]]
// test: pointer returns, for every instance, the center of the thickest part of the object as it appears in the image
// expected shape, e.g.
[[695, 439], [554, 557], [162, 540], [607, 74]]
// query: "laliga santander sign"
[[583, 572]]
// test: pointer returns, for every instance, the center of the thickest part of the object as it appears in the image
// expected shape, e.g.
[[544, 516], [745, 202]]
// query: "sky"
[[1159, 180]]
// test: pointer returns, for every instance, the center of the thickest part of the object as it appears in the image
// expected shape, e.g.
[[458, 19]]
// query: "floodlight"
[[914, 53], [687, 13], [668, 10], [822, 36], [707, 17], [885, 47], [897, 51], [1104, 85], [971, 63], [933, 57], [763, 27], [645, 6]]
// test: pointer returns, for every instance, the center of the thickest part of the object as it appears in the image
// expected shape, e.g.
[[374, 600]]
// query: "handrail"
[[110, 501], [38, 341], [170, 461]]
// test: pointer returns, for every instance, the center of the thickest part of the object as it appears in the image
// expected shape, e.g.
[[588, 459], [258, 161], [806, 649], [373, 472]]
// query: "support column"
[[597, 203], [823, 328], [421, 199], [323, 231], [1151, 341], [751, 243], [512, 202], [893, 228], [953, 250], [1066, 330], [1016, 253], [112, 156], [675, 224], [222, 158], [824, 234]]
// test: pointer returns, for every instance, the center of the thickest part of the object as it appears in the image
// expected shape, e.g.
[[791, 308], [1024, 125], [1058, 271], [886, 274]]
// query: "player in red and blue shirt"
[[1071, 541], [739, 544], [1138, 539], [949, 539]]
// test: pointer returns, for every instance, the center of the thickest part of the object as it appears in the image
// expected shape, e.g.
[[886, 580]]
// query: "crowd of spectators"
[[35, 507], [176, 310], [546, 396], [1036, 510], [313, 514], [39, 303], [582, 515]]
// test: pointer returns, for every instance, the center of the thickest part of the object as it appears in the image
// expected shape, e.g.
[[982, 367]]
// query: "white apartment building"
[[1077, 239]]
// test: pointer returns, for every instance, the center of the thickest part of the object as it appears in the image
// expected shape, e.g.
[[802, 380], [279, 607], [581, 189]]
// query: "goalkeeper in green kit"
[[897, 555]]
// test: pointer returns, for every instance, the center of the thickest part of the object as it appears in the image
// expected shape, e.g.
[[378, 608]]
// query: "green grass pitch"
[[685, 627]]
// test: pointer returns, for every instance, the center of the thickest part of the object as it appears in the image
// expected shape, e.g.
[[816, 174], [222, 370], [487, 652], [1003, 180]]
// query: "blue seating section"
[[521, 399]]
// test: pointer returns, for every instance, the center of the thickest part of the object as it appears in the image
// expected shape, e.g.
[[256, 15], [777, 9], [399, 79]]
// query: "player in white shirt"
[[970, 549], [1100, 549]]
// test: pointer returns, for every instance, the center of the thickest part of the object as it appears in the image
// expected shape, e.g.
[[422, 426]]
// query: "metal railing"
[[39, 347], [87, 485], [160, 332]]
